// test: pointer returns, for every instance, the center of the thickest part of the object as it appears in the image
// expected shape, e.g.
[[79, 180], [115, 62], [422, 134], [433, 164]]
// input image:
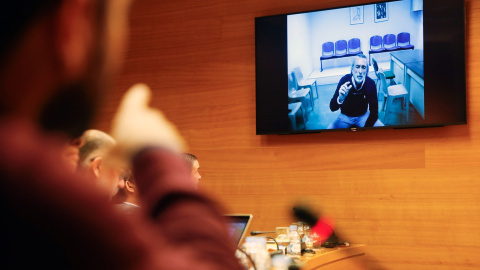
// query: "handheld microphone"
[[320, 225], [260, 232]]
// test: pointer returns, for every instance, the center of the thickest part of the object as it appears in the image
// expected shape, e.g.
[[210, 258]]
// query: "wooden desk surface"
[[351, 258]]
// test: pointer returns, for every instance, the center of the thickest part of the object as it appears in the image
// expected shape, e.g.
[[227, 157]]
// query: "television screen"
[[395, 64]]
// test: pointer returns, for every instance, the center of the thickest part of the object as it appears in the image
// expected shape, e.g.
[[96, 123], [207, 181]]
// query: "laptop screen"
[[237, 225]]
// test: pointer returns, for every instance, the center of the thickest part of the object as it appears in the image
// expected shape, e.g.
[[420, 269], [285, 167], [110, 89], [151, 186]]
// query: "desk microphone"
[[321, 225], [260, 232], [269, 237]]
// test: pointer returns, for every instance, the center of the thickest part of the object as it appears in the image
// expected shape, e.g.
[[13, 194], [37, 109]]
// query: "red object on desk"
[[324, 228]]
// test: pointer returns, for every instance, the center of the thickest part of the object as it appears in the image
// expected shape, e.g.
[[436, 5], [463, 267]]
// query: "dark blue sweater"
[[357, 101]]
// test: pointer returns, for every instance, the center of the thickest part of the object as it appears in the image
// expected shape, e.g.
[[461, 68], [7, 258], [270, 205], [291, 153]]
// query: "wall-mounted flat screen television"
[[395, 64]]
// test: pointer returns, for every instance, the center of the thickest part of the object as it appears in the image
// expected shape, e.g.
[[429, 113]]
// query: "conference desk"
[[408, 69], [351, 258]]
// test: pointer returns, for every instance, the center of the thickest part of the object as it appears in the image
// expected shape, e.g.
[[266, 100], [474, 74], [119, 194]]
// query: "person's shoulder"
[[345, 78], [127, 208], [369, 81]]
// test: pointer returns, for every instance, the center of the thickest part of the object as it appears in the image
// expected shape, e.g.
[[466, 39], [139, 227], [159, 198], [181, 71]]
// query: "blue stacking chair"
[[403, 41], [376, 44], [354, 46], [389, 75], [301, 82], [389, 42], [327, 52], [341, 48]]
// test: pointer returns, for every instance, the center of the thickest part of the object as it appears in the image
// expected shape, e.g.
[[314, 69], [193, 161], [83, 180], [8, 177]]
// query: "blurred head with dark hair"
[[194, 165], [190, 158], [71, 154], [56, 58]]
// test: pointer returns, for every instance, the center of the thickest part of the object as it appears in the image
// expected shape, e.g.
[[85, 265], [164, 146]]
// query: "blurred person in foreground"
[[192, 161], [56, 58]]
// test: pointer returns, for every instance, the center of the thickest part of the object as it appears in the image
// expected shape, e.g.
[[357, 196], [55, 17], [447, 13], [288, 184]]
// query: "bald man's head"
[[95, 160], [95, 143]]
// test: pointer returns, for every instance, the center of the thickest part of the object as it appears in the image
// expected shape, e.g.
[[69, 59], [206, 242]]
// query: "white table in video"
[[408, 69]]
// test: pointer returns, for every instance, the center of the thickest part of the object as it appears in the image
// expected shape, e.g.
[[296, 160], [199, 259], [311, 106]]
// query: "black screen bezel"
[[444, 69]]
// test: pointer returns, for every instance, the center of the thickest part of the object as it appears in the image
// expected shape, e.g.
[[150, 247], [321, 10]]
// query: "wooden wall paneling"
[[411, 195]]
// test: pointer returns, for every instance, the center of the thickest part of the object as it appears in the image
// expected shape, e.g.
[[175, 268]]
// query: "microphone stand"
[[269, 237], [253, 233]]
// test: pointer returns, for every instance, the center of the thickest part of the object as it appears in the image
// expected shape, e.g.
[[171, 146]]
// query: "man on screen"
[[356, 97]]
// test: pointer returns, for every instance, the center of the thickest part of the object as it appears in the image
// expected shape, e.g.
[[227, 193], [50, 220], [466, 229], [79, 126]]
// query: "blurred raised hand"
[[136, 125]]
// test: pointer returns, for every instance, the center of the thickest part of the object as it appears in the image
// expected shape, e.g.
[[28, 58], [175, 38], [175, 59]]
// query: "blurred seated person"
[[130, 201], [356, 97], [94, 161], [71, 154], [192, 161]]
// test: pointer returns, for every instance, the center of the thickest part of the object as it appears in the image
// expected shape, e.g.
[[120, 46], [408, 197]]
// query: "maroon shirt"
[[53, 219]]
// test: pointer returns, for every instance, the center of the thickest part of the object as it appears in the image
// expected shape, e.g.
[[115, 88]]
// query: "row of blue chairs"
[[389, 42], [378, 44], [342, 48]]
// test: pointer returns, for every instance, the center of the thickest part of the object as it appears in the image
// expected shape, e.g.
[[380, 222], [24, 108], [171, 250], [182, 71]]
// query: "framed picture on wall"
[[356, 15], [381, 12]]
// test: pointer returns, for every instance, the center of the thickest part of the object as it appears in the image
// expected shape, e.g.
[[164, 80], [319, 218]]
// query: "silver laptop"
[[237, 225]]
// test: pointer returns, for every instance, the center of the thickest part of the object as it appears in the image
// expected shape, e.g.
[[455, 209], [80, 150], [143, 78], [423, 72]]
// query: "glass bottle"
[[255, 247], [308, 240], [282, 238], [295, 248], [280, 262], [301, 229]]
